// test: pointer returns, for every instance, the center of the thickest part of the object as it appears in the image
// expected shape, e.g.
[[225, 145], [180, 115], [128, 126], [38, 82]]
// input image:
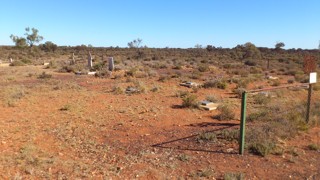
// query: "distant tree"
[[251, 51], [210, 48], [279, 45], [135, 43], [19, 41], [198, 46], [239, 50], [33, 37], [48, 46]]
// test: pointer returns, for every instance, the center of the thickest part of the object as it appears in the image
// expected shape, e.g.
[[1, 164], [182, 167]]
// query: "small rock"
[[229, 150]]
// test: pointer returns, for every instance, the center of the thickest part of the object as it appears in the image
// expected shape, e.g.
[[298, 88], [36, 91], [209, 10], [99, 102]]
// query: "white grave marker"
[[90, 61], [111, 63], [313, 78]]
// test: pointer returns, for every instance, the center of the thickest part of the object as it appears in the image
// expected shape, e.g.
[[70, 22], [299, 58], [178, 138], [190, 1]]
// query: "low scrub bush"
[[233, 176], [226, 113], [261, 99], [44, 75], [239, 92], [290, 81], [258, 116], [195, 75], [183, 157], [103, 73], [242, 83], [190, 101], [215, 84], [68, 69], [262, 148], [275, 83], [313, 147], [181, 94], [26, 61], [212, 98], [117, 90], [250, 63], [203, 68], [17, 63], [207, 137], [141, 87], [230, 135]]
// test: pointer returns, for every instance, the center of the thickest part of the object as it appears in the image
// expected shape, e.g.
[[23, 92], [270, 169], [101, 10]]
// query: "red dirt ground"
[[74, 127]]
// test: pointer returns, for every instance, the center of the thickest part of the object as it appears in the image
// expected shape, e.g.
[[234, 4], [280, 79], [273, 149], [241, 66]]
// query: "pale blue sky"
[[161, 23]]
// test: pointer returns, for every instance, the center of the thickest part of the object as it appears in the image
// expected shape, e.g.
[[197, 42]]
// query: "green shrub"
[[250, 63], [164, 78], [52, 65], [65, 108], [262, 148], [261, 99], [230, 135], [189, 101], [207, 136], [313, 147], [26, 61], [68, 69], [215, 84], [98, 66], [117, 90], [257, 116], [183, 157], [103, 73], [17, 63], [131, 72], [239, 92], [203, 68], [141, 87], [226, 113], [44, 75], [275, 83], [155, 89], [233, 176], [195, 75], [206, 173], [242, 83], [290, 81], [181, 94], [302, 78], [316, 87], [212, 98], [227, 66]]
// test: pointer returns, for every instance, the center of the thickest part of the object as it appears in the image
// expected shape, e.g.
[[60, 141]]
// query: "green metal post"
[[243, 122], [308, 103]]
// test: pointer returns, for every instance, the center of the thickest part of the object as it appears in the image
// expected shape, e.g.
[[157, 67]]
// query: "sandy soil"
[[73, 126]]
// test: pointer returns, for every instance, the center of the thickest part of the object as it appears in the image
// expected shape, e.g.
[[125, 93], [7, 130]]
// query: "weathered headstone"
[[90, 61], [111, 63], [73, 61]]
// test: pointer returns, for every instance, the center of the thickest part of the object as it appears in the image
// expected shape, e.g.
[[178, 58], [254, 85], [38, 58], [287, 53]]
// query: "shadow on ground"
[[180, 143]]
